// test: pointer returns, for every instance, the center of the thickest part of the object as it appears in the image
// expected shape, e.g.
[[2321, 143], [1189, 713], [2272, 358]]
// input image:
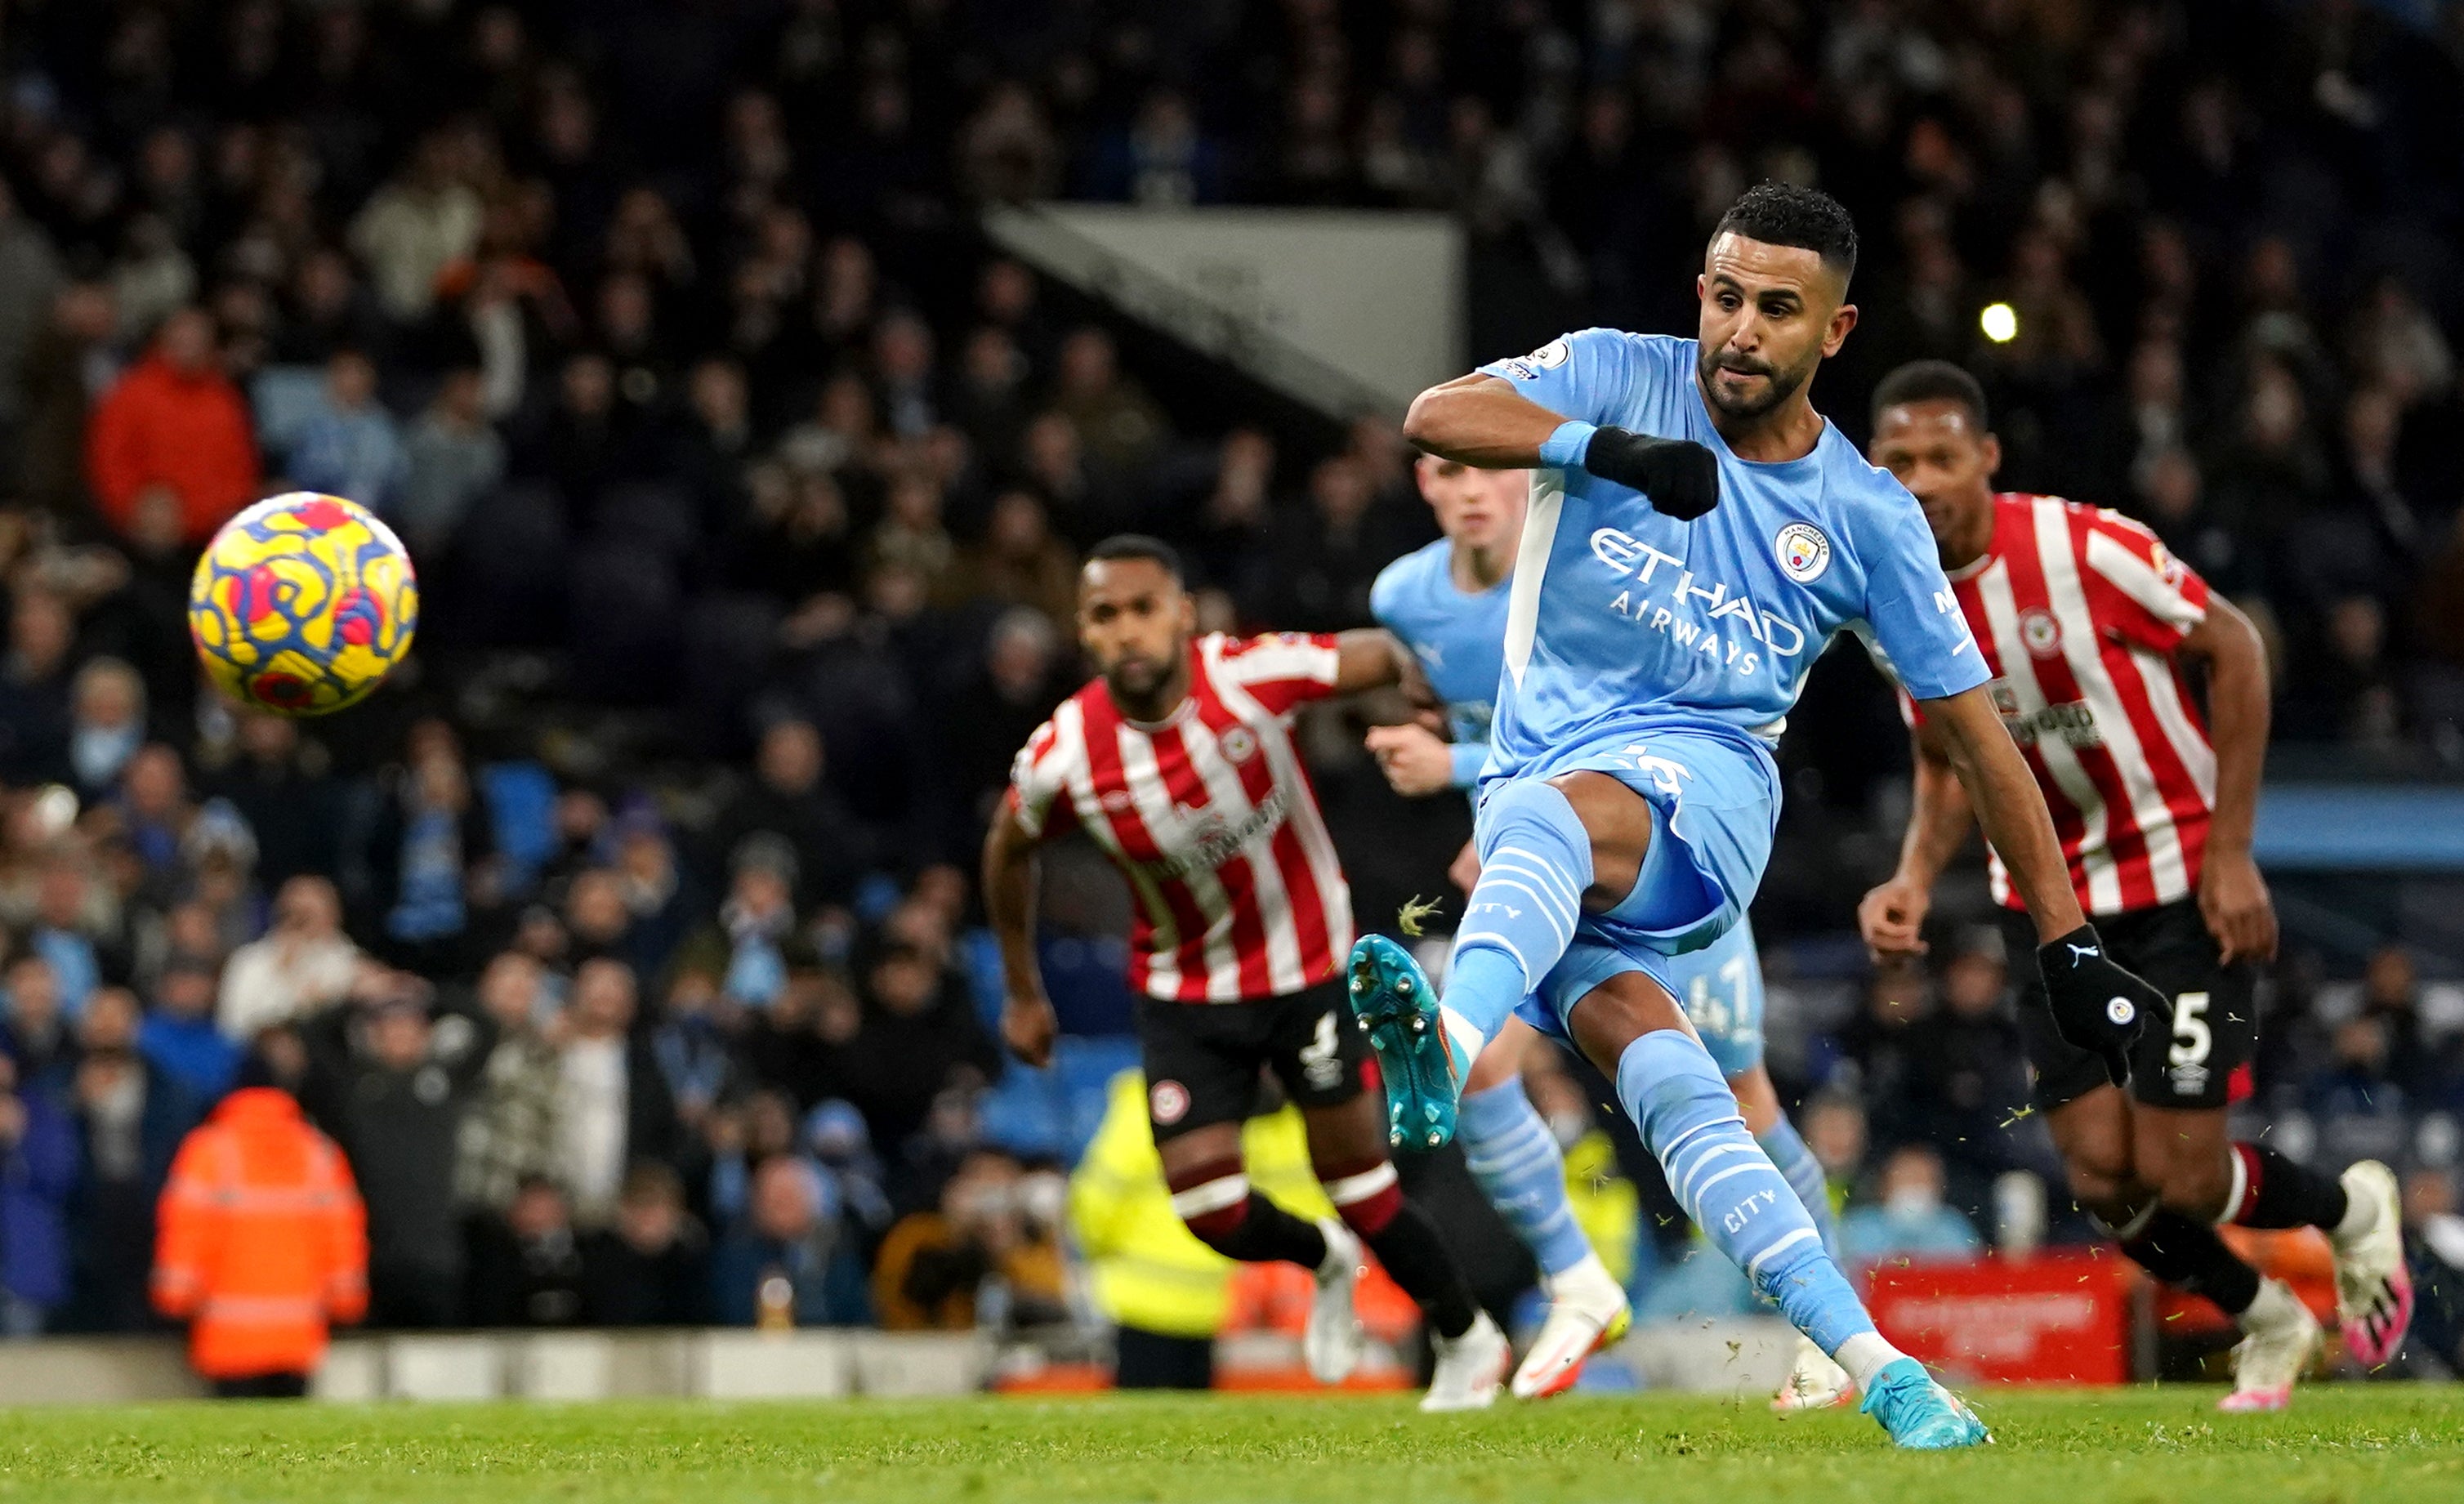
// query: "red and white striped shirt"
[[1211, 818], [2078, 613]]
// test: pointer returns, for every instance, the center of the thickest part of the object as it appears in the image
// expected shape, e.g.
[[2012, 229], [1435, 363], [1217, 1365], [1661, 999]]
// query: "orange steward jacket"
[[262, 1242]]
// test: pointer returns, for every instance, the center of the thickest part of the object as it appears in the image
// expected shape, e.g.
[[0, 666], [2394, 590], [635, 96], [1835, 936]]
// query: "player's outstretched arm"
[[1371, 657], [2232, 895], [1480, 421], [2095, 1003], [1483, 421], [1893, 915], [1028, 1023]]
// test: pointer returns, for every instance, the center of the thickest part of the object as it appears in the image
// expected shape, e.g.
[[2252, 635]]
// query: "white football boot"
[[1814, 1382], [1587, 1312], [2281, 1336], [1469, 1368], [1332, 1343], [2373, 1289]]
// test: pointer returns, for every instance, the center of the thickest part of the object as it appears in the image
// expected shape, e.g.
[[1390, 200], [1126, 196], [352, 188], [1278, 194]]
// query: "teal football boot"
[[1921, 1414], [1423, 1067]]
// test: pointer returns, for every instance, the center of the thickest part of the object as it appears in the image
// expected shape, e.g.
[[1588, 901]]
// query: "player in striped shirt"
[[2088, 625], [1179, 762]]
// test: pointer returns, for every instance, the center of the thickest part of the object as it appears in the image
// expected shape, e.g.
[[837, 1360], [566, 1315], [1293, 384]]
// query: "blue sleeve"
[[1914, 617], [1589, 374], [1470, 756], [1382, 592]]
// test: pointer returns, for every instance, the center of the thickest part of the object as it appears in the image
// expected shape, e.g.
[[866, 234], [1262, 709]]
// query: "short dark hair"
[[1138, 546], [1931, 381], [1785, 214]]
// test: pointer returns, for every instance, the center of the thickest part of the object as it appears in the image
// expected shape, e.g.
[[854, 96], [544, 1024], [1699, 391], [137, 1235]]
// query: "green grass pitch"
[[2349, 1445]]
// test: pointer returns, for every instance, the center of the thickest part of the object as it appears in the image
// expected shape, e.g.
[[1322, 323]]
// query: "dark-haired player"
[[1177, 760], [1696, 533], [2086, 623]]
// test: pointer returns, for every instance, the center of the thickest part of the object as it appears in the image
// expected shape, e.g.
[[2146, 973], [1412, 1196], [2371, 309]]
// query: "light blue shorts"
[[1714, 797]]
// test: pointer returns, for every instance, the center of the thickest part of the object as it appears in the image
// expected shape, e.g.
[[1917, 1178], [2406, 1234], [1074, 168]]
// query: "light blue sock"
[[1515, 1159], [1535, 862], [1804, 1172], [1730, 1186]]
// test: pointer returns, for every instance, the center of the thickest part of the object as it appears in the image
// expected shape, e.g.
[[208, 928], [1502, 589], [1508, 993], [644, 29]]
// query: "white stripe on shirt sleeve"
[[2135, 577]]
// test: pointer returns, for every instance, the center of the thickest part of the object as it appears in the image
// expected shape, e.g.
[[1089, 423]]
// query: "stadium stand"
[[625, 945]]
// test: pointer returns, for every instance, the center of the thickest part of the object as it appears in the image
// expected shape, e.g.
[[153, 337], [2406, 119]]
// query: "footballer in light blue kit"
[[1447, 604], [1696, 534]]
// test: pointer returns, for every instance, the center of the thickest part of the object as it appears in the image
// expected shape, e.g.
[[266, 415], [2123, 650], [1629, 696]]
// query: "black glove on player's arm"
[[1679, 476], [2096, 1005]]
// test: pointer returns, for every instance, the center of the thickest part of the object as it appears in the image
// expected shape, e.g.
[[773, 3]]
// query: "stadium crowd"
[[622, 946]]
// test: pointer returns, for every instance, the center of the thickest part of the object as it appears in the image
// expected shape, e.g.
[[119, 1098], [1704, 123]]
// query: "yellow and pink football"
[[302, 604]]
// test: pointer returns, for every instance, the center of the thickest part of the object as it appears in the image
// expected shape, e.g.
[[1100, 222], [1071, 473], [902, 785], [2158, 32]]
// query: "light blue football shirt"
[[1459, 637], [1622, 618]]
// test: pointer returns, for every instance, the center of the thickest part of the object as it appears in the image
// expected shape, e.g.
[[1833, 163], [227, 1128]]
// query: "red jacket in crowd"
[[185, 429]]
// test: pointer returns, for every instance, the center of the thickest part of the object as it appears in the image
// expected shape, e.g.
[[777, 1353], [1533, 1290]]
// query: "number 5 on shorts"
[[2191, 1039]]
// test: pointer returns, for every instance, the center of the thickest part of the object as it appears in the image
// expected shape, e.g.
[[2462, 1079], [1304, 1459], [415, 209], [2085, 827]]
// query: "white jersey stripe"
[[2131, 575], [2082, 648], [1226, 794], [1140, 771], [2164, 697], [1306, 823], [2019, 672], [1523, 600], [1163, 957]]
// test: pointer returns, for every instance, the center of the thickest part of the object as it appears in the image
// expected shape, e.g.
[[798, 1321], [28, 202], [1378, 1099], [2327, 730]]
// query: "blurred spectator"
[[509, 1135], [754, 921], [36, 727], [1118, 424], [452, 462], [29, 276], [37, 1037], [920, 1035], [130, 1118], [416, 226], [788, 799], [1968, 1073], [694, 1051], [612, 1106], [1911, 1221], [987, 1242], [776, 1268], [279, 783], [350, 446], [180, 1036], [68, 929], [1019, 563], [303, 963], [525, 1261], [263, 1243], [2434, 1251], [68, 365], [173, 432], [650, 1265], [1835, 1130], [434, 857], [106, 723], [39, 1161], [988, 713], [392, 1087]]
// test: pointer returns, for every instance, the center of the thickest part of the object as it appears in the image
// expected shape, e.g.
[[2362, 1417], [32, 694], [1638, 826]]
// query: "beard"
[[1779, 384]]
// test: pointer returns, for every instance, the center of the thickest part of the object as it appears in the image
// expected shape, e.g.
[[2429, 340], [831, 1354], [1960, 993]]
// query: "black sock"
[[2277, 1192], [1265, 1233], [1409, 1247], [1269, 1232], [2186, 1252]]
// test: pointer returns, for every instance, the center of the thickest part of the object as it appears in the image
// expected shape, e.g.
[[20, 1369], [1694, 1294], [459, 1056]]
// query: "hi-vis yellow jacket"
[[1148, 1270]]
